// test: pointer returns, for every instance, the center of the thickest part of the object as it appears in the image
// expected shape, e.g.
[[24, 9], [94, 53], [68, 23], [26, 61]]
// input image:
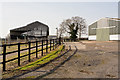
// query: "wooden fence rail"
[[55, 42]]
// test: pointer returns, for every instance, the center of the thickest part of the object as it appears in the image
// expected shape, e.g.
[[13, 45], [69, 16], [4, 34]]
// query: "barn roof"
[[29, 27], [117, 19]]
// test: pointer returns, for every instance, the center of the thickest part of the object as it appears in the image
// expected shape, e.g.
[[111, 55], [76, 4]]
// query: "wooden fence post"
[[59, 41], [18, 54], [4, 57], [46, 46], [53, 44], [36, 49], [42, 47], [29, 43], [56, 42], [50, 44]]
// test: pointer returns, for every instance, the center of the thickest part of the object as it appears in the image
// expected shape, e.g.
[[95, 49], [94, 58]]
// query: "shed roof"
[[29, 27]]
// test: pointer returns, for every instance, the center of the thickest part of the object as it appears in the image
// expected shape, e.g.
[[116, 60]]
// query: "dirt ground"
[[92, 60], [89, 59]]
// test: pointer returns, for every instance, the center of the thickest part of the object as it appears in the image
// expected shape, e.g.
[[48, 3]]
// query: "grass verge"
[[44, 59]]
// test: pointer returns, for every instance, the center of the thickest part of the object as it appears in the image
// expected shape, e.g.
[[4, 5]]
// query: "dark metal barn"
[[32, 30]]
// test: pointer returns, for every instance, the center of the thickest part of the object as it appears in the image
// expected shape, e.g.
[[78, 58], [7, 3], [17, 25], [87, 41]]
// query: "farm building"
[[32, 30], [52, 37], [105, 29]]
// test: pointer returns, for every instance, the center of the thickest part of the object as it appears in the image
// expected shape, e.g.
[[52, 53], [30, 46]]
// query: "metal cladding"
[[32, 30], [104, 29]]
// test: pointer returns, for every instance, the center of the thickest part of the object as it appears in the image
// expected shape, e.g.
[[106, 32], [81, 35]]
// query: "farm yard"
[[84, 59], [59, 40], [96, 60]]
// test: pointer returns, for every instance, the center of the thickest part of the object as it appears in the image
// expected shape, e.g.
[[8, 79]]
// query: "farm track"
[[51, 67], [92, 60], [48, 68]]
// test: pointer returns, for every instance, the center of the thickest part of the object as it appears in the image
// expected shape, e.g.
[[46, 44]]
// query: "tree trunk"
[[80, 34]]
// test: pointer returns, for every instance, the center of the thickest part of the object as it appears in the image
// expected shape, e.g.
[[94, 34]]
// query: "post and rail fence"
[[52, 44]]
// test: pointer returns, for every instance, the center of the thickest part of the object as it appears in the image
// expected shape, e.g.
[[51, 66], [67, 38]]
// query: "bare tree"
[[8, 38], [74, 26], [61, 31]]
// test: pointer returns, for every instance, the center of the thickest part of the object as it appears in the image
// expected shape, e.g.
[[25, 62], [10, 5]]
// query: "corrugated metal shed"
[[35, 29], [104, 29]]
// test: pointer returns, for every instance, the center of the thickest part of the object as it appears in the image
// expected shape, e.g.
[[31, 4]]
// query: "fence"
[[71, 40], [52, 43]]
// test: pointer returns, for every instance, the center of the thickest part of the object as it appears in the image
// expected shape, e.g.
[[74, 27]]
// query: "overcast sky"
[[18, 14]]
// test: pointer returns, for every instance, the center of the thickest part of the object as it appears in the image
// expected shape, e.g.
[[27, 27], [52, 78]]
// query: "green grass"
[[44, 59], [30, 77]]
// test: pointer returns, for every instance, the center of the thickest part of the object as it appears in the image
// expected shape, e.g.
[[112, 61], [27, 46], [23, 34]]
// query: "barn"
[[32, 30], [105, 29]]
